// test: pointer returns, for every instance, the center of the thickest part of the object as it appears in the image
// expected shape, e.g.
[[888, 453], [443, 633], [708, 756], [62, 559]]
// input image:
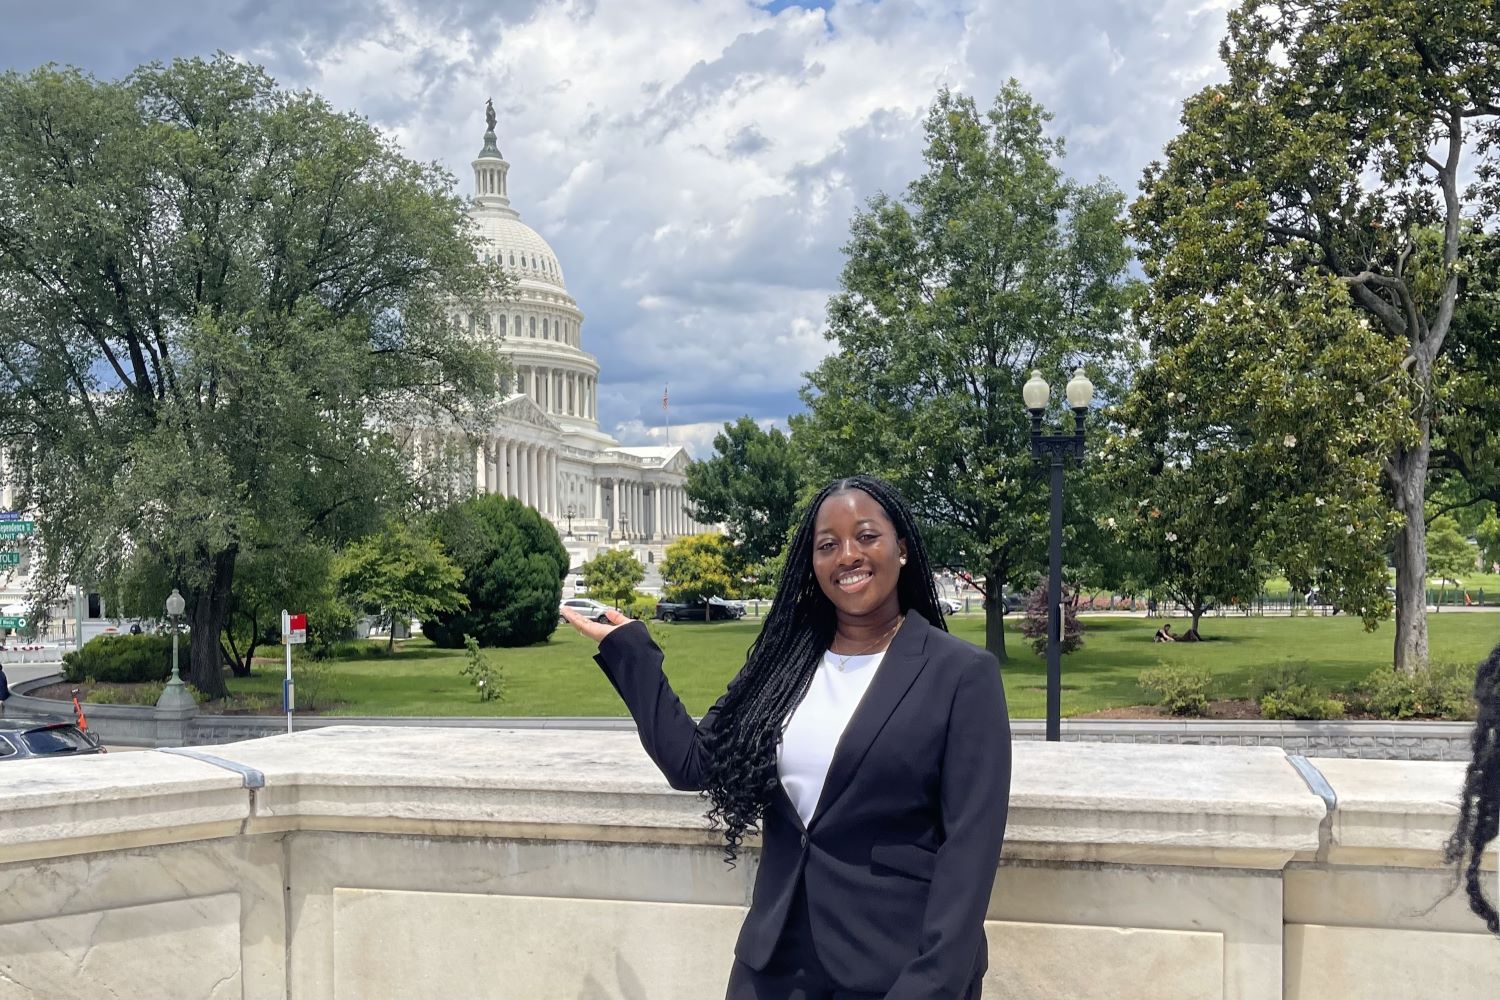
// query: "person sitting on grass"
[[1191, 635], [1164, 634], [1479, 804]]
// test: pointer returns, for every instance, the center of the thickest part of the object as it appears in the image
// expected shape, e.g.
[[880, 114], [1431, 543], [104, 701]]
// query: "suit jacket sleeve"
[[632, 662], [975, 794]]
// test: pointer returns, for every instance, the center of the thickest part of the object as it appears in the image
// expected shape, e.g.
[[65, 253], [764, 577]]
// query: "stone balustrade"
[[382, 862]]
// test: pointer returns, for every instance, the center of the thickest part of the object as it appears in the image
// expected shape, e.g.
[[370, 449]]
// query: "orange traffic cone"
[[83, 723]]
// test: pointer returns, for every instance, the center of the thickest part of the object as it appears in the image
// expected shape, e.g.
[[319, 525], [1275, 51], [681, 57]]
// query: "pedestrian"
[[1164, 634], [1151, 607], [4, 690], [1479, 803], [880, 827]]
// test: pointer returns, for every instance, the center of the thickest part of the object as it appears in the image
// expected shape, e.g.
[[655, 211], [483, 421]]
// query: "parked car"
[[950, 606], [28, 739], [712, 609], [587, 607]]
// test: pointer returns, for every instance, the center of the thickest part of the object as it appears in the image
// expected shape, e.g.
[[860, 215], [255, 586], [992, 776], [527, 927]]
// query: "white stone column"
[[656, 531], [479, 468], [614, 510], [598, 511], [552, 506], [535, 474]]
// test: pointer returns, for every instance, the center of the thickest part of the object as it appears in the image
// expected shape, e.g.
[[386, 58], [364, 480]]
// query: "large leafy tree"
[[613, 575], [1328, 175], [751, 485], [993, 264], [698, 567], [513, 565], [399, 573], [214, 293]]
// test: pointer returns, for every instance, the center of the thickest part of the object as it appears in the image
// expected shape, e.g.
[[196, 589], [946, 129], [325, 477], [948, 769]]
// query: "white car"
[[587, 607], [950, 606]]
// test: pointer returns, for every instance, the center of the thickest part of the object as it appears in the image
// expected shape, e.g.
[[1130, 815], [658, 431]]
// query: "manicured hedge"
[[125, 659]]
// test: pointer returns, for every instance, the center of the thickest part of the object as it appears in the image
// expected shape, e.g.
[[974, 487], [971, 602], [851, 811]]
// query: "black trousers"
[[794, 972]]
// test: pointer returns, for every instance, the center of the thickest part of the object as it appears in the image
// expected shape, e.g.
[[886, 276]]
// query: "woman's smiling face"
[[857, 556]]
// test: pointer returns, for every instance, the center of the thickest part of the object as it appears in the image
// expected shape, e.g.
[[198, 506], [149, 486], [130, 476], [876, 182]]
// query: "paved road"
[[18, 672]]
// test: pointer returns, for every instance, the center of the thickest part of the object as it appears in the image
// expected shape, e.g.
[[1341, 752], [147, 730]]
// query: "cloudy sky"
[[695, 163]]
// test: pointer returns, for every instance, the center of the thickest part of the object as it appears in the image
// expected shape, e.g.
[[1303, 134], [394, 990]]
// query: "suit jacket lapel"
[[904, 660]]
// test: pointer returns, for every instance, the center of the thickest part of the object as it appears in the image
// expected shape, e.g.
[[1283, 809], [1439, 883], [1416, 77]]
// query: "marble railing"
[[373, 862]]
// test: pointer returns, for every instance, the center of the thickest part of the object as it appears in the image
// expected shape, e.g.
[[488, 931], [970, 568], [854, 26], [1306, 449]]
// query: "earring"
[[903, 560]]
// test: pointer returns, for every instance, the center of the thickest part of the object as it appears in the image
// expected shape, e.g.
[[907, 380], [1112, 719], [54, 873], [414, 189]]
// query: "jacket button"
[[804, 840]]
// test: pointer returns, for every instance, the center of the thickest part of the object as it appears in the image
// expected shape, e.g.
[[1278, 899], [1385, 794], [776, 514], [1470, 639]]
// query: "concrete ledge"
[[297, 862]]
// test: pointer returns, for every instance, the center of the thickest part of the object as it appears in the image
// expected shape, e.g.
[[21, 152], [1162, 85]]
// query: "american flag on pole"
[[663, 397]]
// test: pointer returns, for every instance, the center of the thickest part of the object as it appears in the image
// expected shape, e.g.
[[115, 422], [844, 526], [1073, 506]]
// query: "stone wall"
[[120, 725], [394, 862]]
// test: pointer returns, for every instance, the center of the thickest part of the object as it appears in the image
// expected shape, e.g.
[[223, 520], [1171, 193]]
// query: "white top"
[[812, 732]]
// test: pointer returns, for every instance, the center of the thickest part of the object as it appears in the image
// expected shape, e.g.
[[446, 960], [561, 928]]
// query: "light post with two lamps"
[[624, 520], [571, 513], [1054, 449], [175, 697]]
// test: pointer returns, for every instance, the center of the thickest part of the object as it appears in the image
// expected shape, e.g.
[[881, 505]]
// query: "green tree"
[[612, 576], [513, 565], [1450, 556], [1325, 178], [400, 574], [216, 296], [992, 265], [1488, 537], [751, 485], [698, 567]]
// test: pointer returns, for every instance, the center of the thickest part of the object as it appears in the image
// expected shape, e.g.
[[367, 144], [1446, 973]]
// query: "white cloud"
[[695, 163]]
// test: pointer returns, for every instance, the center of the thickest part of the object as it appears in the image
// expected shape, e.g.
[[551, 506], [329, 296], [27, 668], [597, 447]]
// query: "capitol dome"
[[519, 249]]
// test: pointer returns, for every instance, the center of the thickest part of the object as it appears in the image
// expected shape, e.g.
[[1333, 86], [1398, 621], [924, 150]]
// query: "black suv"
[[28, 739], [712, 609]]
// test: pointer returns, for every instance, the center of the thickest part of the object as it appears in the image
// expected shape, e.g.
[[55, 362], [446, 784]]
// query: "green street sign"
[[12, 621], [16, 529], [10, 558]]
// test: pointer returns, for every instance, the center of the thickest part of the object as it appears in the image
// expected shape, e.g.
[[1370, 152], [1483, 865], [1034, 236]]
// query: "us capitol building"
[[545, 446]]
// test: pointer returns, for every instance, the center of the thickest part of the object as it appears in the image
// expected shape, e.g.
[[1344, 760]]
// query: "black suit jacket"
[[901, 853]]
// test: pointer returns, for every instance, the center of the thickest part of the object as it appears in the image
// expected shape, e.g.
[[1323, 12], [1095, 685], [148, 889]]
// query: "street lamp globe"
[[175, 604], [1035, 391], [1080, 391]]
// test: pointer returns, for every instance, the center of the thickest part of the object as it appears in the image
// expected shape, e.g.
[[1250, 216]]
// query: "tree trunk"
[[1408, 475], [1198, 610], [390, 642], [994, 611], [207, 610]]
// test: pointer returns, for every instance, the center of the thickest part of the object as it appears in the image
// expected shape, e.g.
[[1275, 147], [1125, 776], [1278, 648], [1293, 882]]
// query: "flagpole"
[[666, 415]]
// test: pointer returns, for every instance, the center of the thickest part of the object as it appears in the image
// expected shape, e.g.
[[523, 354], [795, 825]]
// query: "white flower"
[[1290, 441], [1171, 397], [1171, 536], [1221, 500], [1359, 397], [1110, 521], [481, 683], [1349, 529], [1317, 501]]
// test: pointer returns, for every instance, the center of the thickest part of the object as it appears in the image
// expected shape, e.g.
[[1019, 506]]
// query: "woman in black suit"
[[867, 746]]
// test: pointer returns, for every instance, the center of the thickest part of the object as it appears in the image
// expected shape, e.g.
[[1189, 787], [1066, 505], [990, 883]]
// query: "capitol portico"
[[544, 446]]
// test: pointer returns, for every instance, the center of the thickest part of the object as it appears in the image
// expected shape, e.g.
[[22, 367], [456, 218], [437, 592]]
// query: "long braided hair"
[[1479, 811], [780, 664]]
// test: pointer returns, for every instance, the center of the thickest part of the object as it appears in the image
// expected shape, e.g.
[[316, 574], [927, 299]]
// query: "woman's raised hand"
[[592, 630]]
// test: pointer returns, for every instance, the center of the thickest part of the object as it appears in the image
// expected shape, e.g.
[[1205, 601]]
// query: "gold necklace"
[[844, 660]]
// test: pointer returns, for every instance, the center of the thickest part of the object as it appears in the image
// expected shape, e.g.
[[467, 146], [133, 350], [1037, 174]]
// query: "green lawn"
[[560, 678]]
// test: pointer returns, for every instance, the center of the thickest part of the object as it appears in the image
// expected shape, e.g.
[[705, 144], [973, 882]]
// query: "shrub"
[[125, 659], [513, 564], [1287, 694], [1178, 690], [1443, 691], [1034, 624], [482, 672], [639, 606]]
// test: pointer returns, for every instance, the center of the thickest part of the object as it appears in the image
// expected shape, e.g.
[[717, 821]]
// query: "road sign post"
[[293, 631]]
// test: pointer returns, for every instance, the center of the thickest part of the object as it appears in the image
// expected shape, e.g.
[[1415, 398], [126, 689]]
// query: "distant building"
[[545, 446]]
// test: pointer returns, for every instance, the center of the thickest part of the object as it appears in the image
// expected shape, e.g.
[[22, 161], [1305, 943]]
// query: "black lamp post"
[[624, 525], [571, 513], [1054, 449]]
